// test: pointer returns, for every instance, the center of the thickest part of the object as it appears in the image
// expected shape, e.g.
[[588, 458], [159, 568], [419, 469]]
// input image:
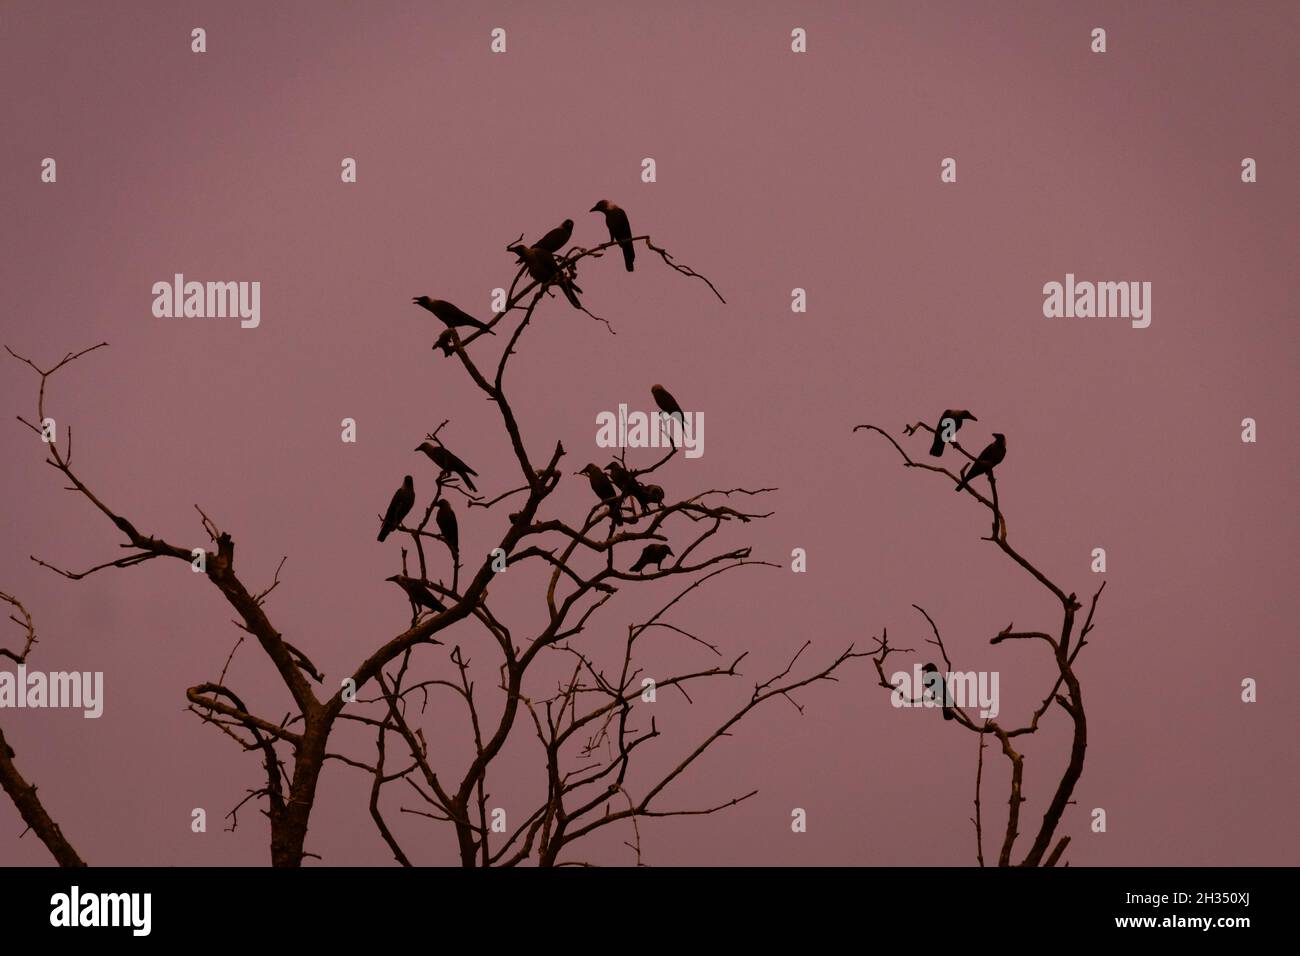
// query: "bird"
[[954, 415], [940, 692], [626, 482], [991, 456], [420, 595], [542, 267], [403, 501], [654, 494], [620, 230], [667, 404], [446, 341], [556, 239], [446, 519], [446, 461], [604, 490], [652, 554], [449, 315]]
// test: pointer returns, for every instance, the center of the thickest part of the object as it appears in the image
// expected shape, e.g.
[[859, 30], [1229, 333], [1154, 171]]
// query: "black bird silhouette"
[[403, 501], [940, 688], [652, 554], [449, 315], [654, 494], [446, 341], [626, 482], [446, 461], [542, 266], [555, 240], [446, 519], [668, 404], [420, 595], [990, 457], [954, 415], [620, 230], [604, 490]]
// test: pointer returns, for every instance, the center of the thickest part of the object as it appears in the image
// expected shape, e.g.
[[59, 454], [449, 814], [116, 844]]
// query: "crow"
[[934, 681], [667, 403], [420, 595], [620, 230], [543, 267], [626, 482], [403, 501], [555, 240], [955, 416], [652, 554], [990, 457], [604, 490], [446, 519], [447, 462], [449, 315]]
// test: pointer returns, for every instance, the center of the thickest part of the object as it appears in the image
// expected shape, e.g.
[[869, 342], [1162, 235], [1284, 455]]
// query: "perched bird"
[[542, 266], [446, 461], [667, 403], [449, 315], [652, 554], [654, 494], [446, 519], [626, 482], [403, 501], [935, 683], [446, 341], [991, 456], [604, 490], [952, 417], [420, 595], [557, 238], [620, 230]]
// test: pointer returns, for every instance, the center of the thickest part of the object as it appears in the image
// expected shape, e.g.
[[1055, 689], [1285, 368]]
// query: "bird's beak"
[[595, 208], [974, 419]]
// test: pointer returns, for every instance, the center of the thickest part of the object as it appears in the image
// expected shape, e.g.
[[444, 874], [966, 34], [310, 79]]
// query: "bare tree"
[[588, 725], [1065, 690], [22, 793]]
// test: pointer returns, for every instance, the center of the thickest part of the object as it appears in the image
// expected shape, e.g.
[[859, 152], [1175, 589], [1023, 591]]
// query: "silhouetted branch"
[[1071, 702]]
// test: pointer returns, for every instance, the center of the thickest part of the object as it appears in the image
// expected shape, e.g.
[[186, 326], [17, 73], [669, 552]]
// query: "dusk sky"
[[774, 171]]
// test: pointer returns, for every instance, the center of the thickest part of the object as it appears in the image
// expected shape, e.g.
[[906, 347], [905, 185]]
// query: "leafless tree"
[[18, 789], [589, 725], [1065, 691]]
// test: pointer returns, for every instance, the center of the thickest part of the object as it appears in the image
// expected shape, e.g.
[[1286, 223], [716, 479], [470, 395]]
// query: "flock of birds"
[[625, 496]]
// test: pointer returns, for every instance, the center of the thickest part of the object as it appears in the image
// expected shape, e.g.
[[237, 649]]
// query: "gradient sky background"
[[775, 170]]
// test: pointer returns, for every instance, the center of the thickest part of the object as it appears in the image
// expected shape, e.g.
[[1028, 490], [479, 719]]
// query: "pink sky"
[[775, 171]]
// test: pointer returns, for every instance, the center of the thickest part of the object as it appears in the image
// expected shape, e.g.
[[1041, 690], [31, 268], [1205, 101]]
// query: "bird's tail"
[[947, 713], [961, 485], [936, 446], [468, 484], [383, 533], [629, 254], [568, 294]]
